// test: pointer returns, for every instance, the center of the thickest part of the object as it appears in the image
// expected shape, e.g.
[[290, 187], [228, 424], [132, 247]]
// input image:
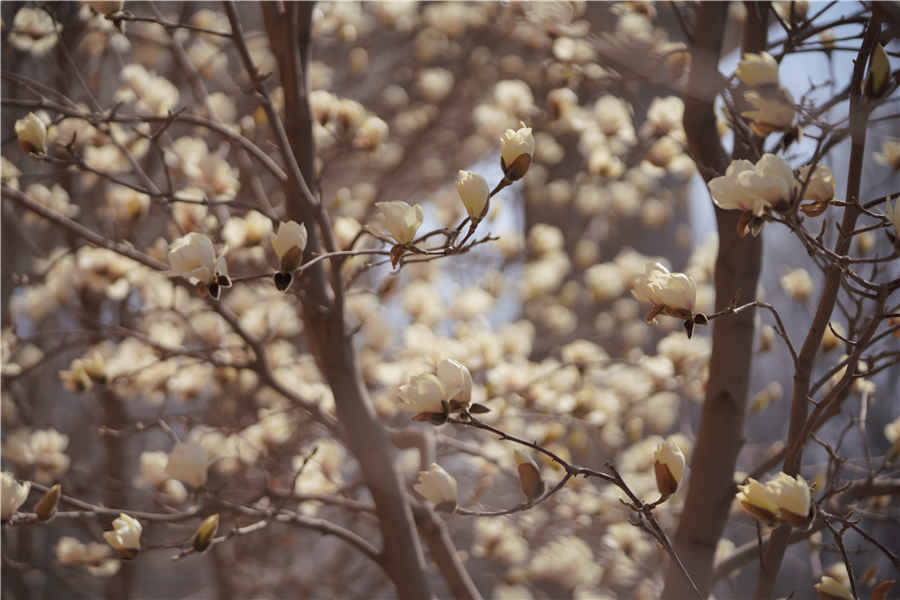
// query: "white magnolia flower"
[[12, 495], [194, 256], [424, 394], [188, 462], [438, 486], [475, 193], [755, 188], [659, 287], [289, 244], [758, 70], [456, 377], [792, 497], [32, 134], [759, 500], [126, 536], [33, 31], [773, 112], [399, 220], [516, 146], [821, 183], [669, 465]]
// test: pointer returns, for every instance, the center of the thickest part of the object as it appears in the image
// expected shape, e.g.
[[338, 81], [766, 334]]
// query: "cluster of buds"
[[194, 257], [400, 221], [784, 499], [435, 398], [672, 294], [773, 103]]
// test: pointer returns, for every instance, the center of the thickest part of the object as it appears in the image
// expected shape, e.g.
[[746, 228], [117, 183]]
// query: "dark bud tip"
[[283, 280]]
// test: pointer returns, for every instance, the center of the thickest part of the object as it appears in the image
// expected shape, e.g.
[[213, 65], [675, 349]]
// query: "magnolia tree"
[[247, 315]]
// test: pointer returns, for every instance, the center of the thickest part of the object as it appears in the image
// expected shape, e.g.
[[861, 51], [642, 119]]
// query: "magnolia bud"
[[669, 466], [202, 539], [32, 134], [529, 476], [878, 80], [46, 507], [516, 150]]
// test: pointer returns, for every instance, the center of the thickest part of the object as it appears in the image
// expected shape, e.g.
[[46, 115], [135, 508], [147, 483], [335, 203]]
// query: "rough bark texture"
[[721, 430], [288, 26]]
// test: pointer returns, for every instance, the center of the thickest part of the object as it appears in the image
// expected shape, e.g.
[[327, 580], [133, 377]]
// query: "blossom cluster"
[[783, 499]]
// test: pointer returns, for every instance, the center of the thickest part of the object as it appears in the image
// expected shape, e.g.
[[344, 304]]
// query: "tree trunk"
[[289, 29]]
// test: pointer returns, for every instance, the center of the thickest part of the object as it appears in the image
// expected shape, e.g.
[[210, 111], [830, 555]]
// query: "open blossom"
[[399, 220], [424, 394], [792, 497], [669, 465], [438, 486], [126, 536], [474, 192], [289, 244], [659, 287], [194, 257], [758, 70], [12, 495], [33, 31], [188, 462], [32, 134], [773, 112], [516, 150], [755, 189]]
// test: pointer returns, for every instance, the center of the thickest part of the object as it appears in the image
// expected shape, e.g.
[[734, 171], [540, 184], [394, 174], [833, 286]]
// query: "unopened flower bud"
[[759, 500], [529, 476], [878, 79], [793, 499], [289, 244], [669, 466], [12, 495], [831, 589], [202, 539], [475, 194], [438, 486], [516, 150], [32, 134], [46, 506]]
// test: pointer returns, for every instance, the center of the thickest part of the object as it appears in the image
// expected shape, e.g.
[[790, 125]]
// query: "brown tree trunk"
[[721, 431], [288, 26]]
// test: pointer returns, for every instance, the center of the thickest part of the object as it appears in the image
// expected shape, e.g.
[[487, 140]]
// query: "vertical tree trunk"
[[289, 29], [721, 431]]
